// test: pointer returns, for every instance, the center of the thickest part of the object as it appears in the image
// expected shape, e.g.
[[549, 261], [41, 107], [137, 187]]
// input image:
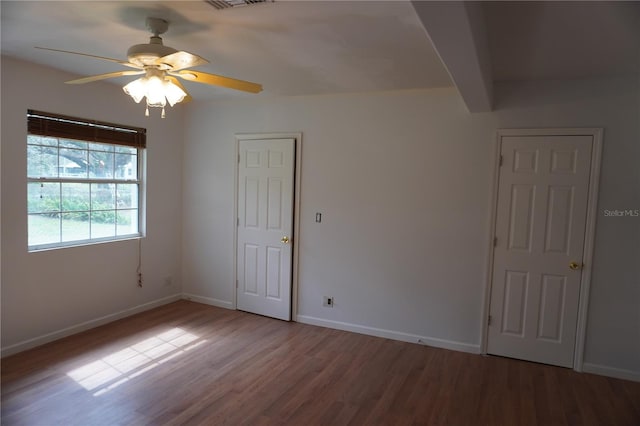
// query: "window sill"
[[83, 243]]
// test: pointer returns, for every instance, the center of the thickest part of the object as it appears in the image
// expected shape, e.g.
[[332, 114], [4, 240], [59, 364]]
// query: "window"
[[84, 180]]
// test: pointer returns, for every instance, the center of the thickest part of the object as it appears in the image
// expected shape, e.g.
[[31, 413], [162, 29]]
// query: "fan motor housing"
[[146, 54]]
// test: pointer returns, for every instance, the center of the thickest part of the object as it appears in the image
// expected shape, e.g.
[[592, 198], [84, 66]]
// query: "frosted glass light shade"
[[173, 92], [156, 89], [155, 92], [136, 89]]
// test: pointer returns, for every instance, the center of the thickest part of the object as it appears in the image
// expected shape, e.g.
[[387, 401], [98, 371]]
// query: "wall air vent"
[[225, 4]]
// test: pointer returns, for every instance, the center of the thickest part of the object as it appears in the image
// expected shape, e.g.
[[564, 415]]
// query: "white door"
[[265, 226], [540, 230]]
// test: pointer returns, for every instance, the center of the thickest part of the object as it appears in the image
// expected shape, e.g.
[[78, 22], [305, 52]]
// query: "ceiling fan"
[[162, 66]]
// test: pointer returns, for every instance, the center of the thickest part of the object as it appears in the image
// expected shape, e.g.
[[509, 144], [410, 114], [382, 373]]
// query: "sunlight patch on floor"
[[119, 367]]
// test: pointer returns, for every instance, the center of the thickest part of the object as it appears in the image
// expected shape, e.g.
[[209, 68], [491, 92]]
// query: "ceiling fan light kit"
[[157, 89], [161, 65]]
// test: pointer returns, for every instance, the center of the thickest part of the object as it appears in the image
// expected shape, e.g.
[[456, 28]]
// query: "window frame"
[[139, 144]]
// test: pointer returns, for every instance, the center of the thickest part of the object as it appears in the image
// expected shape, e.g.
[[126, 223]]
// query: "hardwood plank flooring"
[[192, 364]]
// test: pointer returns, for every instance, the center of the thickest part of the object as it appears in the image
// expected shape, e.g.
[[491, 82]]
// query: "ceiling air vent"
[[225, 4]]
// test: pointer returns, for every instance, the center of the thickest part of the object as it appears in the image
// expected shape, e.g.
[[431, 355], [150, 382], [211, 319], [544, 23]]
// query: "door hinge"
[[501, 160], [236, 283], [238, 222], [489, 320], [495, 241], [238, 158]]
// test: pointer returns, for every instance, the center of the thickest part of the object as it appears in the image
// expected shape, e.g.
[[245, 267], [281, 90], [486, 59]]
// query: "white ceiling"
[[321, 47], [563, 40], [292, 48]]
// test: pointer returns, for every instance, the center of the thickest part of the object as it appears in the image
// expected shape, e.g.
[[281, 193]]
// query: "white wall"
[[388, 249], [48, 291], [403, 181], [613, 333]]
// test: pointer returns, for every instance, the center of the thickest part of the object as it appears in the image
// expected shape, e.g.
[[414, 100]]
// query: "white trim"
[[74, 329], [577, 131], [234, 282], [296, 226], [142, 196], [208, 301], [587, 256], [390, 334], [484, 326], [297, 137], [617, 373]]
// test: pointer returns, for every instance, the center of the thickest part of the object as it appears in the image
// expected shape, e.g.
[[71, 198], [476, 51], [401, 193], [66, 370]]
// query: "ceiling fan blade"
[[175, 81], [180, 60], [218, 80], [117, 61], [103, 76]]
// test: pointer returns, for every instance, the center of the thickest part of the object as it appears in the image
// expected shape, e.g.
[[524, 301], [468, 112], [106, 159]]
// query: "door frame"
[[297, 172], [590, 227]]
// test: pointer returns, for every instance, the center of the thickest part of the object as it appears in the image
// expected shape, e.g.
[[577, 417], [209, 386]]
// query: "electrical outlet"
[[327, 301]]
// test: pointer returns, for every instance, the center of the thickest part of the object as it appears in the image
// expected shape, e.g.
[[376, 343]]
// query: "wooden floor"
[[189, 364]]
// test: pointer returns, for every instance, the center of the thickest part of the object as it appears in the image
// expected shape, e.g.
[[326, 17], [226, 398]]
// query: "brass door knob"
[[575, 266], [284, 240]]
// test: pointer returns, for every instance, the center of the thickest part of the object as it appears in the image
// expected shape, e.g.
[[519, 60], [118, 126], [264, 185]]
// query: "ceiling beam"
[[458, 33]]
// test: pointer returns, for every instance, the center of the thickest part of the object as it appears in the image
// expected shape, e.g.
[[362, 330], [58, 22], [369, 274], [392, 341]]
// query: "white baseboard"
[[207, 300], [390, 334], [617, 373], [68, 331]]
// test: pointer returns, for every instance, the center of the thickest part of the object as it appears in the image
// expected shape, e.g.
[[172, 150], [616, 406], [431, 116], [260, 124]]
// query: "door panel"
[[540, 225], [515, 300], [551, 307], [274, 204], [521, 225], [559, 216], [274, 272], [265, 212], [250, 282], [251, 202]]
